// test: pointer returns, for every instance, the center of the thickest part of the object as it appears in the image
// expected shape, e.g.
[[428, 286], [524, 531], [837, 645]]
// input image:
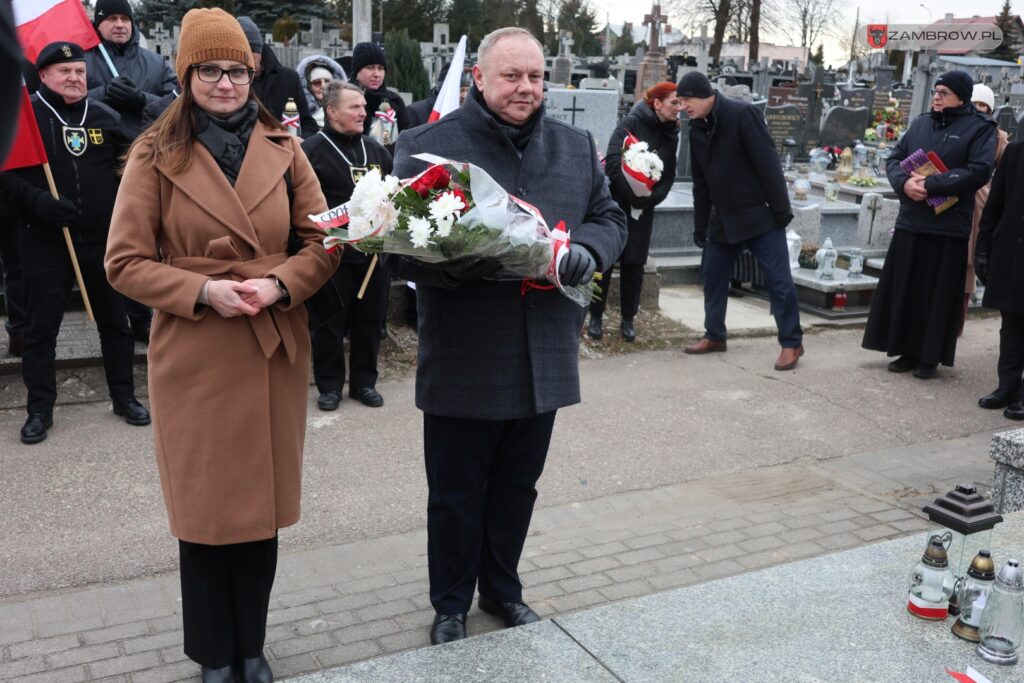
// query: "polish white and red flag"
[[448, 97], [27, 149], [41, 22]]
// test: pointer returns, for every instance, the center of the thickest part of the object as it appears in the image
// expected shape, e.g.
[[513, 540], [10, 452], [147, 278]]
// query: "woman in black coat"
[[999, 263], [917, 308], [654, 120]]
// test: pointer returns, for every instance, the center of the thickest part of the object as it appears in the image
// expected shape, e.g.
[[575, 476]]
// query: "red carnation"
[[434, 178]]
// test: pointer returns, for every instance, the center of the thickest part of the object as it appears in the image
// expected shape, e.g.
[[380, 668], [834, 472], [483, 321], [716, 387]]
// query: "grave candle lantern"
[[972, 594], [969, 518], [1002, 622], [931, 581]]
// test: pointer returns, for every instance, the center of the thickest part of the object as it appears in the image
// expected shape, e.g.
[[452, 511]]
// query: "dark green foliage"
[[577, 17], [405, 65], [1011, 46]]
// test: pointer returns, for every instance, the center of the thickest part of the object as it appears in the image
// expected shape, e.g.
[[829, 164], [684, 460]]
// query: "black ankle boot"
[[594, 330], [628, 331], [256, 670]]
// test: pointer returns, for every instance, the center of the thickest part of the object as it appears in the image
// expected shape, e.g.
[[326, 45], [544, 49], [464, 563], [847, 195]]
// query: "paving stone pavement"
[[338, 604]]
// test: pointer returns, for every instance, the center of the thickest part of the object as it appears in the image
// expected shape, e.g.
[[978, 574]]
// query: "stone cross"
[[161, 39], [566, 42], [702, 50], [314, 37], [655, 19]]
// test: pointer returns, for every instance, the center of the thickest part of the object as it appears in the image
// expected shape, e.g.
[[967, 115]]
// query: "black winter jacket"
[[965, 140], [275, 84], [736, 171], [663, 139], [148, 70], [89, 180], [1001, 234], [373, 100], [337, 178]]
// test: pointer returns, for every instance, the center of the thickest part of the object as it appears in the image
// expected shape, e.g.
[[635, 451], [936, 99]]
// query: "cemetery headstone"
[[653, 69], [162, 42], [883, 79], [1005, 119], [561, 67], [785, 122], [737, 92], [843, 125], [876, 220], [855, 98], [903, 98], [683, 171], [593, 110]]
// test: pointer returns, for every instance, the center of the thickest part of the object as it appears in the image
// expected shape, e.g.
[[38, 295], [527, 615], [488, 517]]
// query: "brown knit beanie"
[[207, 35]]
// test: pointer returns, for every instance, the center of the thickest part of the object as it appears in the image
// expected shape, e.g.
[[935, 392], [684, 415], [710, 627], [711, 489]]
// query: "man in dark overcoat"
[[83, 142], [497, 362], [740, 200], [999, 264]]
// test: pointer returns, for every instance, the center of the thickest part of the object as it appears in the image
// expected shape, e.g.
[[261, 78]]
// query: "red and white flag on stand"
[[448, 97], [27, 149], [970, 676], [41, 22]]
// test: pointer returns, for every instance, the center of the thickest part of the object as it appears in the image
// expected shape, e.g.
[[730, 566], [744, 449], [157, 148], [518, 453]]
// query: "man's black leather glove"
[[700, 239], [577, 267], [55, 211], [124, 94], [981, 267]]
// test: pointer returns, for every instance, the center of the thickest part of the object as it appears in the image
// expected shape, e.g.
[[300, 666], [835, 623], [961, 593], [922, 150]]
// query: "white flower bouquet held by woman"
[[451, 215]]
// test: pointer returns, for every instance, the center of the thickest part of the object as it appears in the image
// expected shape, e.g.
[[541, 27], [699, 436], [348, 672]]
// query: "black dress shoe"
[[926, 372], [903, 364], [256, 670], [35, 427], [448, 627], [329, 400], [628, 331], [594, 330], [133, 412], [512, 613], [368, 396], [1000, 398], [1014, 411], [15, 343], [224, 674]]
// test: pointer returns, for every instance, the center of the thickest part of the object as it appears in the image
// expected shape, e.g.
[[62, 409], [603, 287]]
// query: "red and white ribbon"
[[972, 675], [926, 609], [290, 121], [389, 116]]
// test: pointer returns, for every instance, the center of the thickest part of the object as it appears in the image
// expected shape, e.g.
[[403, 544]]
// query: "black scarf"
[[226, 138], [519, 136]]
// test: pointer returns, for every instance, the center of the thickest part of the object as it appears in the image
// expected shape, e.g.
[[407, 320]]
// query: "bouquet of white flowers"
[[452, 213], [641, 167]]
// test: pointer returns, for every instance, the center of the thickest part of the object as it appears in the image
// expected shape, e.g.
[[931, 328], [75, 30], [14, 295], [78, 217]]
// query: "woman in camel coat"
[[200, 233]]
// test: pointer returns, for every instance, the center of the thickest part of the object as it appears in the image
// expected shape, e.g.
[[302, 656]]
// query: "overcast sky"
[[871, 11]]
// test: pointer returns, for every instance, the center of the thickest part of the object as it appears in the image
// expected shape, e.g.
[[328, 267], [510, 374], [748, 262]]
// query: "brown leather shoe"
[[705, 345], [788, 358]]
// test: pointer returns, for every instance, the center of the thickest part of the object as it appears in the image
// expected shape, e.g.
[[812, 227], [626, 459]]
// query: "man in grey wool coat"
[[496, 363]]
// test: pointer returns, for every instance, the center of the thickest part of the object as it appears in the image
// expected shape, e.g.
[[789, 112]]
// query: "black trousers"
[[225, 595], [48, 278], [1011, 351], [138, 314], [481, 476], [10, 262], [631, 283], [364, 318]]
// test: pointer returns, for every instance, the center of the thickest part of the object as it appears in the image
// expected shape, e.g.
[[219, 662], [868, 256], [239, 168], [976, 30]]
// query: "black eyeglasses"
[[212, 74], [942, 93]]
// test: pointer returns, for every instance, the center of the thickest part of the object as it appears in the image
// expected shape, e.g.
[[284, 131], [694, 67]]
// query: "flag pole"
[[106, 58], [366, 280], [71, 246]]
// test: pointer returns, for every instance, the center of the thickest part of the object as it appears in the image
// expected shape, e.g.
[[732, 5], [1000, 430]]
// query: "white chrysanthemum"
[[419, 231], [444, 226], [638, 158], [367, 195], [447, 206], [390, 184]]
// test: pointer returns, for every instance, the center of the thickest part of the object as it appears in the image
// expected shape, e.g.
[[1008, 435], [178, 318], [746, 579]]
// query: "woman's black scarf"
[[226, 138]]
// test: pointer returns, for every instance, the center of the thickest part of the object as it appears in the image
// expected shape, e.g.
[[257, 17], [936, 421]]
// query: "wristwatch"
[[285, 296]]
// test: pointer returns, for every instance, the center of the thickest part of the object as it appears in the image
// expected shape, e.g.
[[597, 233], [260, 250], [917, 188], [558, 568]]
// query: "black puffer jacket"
[[965, 140], [663, 139], [275, 84], [148, 70], [373, 100], [89, 180], [337, 176]]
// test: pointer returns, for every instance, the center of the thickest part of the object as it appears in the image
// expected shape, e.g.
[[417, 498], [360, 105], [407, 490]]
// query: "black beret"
[[60, 51]]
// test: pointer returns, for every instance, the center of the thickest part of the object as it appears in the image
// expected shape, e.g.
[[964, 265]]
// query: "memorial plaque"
[[779, 96], [855, 98], [593, 110], [903, 99], [843, 125], [784, 122]]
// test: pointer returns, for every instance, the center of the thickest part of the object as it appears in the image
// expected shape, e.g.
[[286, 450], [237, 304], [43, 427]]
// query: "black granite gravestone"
[[843, 125], [785, 122]]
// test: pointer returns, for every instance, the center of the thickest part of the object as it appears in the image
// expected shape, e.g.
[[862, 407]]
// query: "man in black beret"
[[83, 140], [740, 200]]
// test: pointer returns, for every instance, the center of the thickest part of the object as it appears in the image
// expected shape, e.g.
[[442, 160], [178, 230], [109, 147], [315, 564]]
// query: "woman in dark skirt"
[[915, 312], [654, 120]]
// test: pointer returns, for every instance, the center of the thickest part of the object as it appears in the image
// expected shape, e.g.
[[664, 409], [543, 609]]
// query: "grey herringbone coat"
[[487, 350]]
